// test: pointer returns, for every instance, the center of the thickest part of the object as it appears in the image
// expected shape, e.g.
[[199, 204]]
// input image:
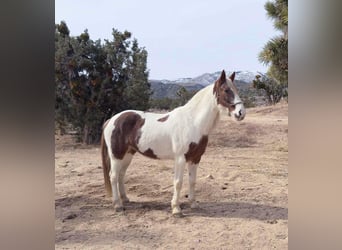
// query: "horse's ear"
[[222, 78], [232, 76]]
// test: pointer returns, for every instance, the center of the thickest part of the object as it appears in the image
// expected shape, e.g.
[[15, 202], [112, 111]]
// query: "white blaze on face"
[[239, 112]]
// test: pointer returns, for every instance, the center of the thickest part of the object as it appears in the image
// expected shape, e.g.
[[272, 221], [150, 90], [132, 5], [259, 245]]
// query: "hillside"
[[162, 90], [169, 88]]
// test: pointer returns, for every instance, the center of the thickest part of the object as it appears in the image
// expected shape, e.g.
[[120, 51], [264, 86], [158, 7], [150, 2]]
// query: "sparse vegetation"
[[273, 91]]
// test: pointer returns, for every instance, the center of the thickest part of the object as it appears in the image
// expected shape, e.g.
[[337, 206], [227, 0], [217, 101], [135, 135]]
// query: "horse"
[[181, 135]]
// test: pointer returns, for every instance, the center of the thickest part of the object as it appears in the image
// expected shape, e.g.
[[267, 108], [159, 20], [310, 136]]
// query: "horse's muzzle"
[[240, 115]]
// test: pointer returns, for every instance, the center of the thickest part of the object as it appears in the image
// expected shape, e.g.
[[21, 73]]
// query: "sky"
[[183, 38]]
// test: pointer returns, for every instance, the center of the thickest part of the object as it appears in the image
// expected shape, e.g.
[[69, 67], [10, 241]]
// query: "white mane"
[[202, 107]]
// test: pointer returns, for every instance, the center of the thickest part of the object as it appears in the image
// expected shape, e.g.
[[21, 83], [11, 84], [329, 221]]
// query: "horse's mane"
[[198, 97]]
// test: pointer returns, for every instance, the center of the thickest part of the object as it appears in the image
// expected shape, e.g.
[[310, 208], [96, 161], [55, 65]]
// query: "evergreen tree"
[[63, 53], [91, 79], [116, 65], [138, 90]]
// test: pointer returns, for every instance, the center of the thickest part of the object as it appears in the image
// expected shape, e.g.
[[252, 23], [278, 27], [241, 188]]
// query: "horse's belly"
[[160, 148]]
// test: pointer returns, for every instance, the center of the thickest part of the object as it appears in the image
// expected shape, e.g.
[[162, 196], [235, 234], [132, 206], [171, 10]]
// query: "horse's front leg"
[[192, 182], [177, 184]]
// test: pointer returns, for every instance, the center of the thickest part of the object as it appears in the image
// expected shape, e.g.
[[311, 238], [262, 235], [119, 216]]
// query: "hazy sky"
[[183, 38]]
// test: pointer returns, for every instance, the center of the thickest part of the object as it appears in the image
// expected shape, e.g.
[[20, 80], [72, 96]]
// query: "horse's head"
[[227, 96]]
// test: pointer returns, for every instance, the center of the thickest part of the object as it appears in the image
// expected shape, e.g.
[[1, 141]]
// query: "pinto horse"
[[181, 135]]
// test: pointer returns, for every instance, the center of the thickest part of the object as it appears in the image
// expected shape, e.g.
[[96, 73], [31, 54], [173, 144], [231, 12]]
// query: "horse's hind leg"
[[125, 163], [116, 166]]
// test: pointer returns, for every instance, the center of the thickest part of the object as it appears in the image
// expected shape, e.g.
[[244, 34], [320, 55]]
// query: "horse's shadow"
[[213, 209], [217, 210]]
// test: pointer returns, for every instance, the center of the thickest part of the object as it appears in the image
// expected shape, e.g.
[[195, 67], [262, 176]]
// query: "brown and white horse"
[[181, 135]]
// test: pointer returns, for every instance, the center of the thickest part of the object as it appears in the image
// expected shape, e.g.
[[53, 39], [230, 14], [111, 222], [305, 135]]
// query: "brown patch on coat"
[[196, 150], [149, 153], [126, 134], [223, 93], [163, 119]]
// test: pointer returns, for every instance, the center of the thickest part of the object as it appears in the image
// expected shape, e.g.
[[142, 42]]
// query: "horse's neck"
[[203, 110]]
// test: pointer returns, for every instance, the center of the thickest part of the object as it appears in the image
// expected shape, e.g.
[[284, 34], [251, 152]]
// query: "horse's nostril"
[[239, 115]]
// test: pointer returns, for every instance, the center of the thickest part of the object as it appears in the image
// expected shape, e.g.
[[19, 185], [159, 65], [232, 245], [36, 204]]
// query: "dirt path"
[[242, 187]]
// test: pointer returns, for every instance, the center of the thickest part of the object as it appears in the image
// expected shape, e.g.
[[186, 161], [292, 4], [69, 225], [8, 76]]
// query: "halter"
[[234, 104]]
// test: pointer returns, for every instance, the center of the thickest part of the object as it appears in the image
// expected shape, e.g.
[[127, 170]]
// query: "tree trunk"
[[86, 134]]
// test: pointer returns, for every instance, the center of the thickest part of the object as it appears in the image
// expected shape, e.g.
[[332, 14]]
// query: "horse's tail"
[[105, 163]]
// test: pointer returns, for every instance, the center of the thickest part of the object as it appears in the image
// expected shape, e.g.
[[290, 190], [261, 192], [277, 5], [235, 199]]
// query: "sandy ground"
[[242, 187]]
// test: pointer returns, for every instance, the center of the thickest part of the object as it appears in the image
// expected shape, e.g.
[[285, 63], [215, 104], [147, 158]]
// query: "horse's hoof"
[[117, 205], [119, 209], [125, 200], [178, 215], [176, 209]]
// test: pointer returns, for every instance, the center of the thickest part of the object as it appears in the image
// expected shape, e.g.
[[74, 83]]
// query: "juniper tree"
[[138, 90], [91, 79]]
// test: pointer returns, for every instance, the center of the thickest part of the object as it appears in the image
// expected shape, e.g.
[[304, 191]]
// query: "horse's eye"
[[233, 106]]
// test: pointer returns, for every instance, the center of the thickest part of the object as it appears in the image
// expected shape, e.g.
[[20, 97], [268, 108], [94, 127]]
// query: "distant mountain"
[[209, 78], [169, 88], [162, 90]]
